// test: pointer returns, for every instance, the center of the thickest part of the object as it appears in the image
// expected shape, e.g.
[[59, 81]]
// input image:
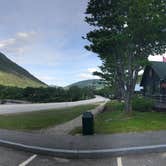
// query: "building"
[[154, 79]]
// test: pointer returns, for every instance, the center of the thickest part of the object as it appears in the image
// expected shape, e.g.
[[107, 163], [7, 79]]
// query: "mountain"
[[95, 83], [12, 74]]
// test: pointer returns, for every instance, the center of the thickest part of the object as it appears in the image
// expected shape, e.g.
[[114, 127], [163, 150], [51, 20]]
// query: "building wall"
[[151, 83]]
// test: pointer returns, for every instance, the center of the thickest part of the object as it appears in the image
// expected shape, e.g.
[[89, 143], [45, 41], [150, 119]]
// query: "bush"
[[115, 106], [142, 104], [47, 94]]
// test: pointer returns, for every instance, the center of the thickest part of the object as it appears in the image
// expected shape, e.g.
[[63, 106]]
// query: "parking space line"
[[26, 162], [119, 161]]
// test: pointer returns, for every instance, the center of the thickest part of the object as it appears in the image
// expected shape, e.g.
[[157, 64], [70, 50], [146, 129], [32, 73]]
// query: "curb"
[[84, 154]]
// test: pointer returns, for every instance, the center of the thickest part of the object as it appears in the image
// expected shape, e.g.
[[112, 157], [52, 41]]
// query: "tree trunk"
[[128, 103]]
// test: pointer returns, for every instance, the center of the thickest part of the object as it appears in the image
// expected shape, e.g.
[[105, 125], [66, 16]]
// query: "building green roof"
[[159, 68]]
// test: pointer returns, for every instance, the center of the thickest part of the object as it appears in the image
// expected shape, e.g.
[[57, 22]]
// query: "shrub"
[[143, 104], [46, 94], [115, 106]]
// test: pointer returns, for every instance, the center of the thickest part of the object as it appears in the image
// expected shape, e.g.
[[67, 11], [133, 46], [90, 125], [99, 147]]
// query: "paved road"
[[17, 108], [11, 157]]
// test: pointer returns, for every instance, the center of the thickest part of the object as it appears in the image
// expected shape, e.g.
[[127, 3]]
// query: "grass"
[[10, 79], [12, 74], [117, 122], [111, 121], [41, 119]]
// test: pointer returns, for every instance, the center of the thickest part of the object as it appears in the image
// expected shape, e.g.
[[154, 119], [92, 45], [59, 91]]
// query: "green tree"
[[125, 33], [109, 77]]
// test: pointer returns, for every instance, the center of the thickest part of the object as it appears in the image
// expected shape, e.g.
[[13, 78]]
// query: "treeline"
[[49, 94], [109, 92]]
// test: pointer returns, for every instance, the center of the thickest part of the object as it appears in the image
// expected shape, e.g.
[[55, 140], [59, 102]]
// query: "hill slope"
[[12, 74], [95, 83]]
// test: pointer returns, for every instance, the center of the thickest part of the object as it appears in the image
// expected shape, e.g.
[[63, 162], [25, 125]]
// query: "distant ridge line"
[[11, 74]]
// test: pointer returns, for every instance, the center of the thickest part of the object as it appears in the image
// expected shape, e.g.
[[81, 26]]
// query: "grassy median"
[[41, 119], [117, 122], [114, 120]]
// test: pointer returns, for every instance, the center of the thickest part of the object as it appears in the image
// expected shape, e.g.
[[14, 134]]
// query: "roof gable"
[[159, 68]]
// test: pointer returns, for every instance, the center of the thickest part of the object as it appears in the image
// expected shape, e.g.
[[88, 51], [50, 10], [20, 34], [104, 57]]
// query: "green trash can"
[[87, 123]]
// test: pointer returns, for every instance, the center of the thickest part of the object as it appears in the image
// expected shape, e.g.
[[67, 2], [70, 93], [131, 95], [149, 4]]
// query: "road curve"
[[18, 108]]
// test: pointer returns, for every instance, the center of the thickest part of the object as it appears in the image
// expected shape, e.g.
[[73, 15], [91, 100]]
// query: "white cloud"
[[141, 72], [91, 70], [48, 79], [51, 80], [89, 74], [24, 34], [6, 43], [19, 43], [158, 58]]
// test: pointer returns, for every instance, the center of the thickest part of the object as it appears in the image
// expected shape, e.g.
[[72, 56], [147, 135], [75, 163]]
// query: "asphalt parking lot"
[[10, 157]]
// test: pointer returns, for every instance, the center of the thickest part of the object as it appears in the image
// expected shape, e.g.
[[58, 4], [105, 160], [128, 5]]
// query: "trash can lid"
[[87, 115]]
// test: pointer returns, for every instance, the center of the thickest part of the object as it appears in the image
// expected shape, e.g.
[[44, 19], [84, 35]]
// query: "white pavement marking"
[[26, 162], [61, 160], [119, 161]]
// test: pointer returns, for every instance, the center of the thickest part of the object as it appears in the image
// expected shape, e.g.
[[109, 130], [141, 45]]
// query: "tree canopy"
[[125, 33]]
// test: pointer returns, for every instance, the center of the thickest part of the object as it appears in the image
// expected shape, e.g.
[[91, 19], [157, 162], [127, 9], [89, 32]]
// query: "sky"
[[45, 37]]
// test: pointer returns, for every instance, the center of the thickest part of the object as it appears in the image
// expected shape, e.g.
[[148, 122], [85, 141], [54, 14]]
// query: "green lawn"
[[112, 121], [117, 122], [41, 119], [9, 79]]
